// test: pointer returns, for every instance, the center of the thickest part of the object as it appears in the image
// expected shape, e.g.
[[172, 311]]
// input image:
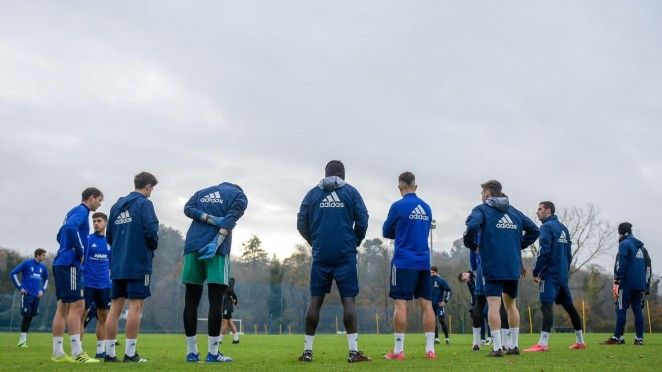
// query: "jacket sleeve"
[[190, 209], [303, 219], [388, 230], [360, 218], [110, 227], [44, 277], [649, 268], [234, 213], [150, 225], [71, 231], [449, 291], [473, 261], [474, 223], [621, 262], [569, 252], [545, 251], [531, 232], [13, 275]]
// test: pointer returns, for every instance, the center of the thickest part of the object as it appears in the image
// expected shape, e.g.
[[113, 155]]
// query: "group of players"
[[333, 219]]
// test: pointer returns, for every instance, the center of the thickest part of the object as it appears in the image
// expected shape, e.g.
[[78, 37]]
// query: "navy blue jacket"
[[72, 237], [408, 222], [441, 291], [500, 227], [133, 234], [555, 254], [479, 289], [96, 267], [34, 275], [226, 200], [630, 270], [333, 219]]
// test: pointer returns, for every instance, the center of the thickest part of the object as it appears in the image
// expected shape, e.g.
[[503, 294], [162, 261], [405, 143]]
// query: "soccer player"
[[34, 276], [408, 222], [333, 219], [214, 212], [551, 273], [441, 294], [133, 235], [96, 270], [68, 275], [500, 227], [229, 302], [632, 272]]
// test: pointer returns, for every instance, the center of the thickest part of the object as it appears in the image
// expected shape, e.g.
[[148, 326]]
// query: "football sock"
[[579, 335], [57, 346], [212, 345], [23, 338], [514, 337], [496, 340], [235, 336], [192, 345], [429, 341], [101, 346], [76, 347], [505, 338], [308, 342], [130, 346], [544, 338], [110, 348], [353, 341], [399, 343]]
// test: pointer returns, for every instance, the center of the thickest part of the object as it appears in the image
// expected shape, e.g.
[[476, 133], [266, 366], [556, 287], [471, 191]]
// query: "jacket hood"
[[331, 183], [636, 241], [125, 202], [501, 203]]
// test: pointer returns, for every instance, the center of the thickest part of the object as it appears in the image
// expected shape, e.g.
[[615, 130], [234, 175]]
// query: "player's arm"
[[44, 278], [303, 220], [192, 211], [531, 232], [448, 292], [473, 261], [13, 275], [474, 223], [360, 218], [235, 211], [110, 227], [569, 252], [545, 250], [71, 230], [649, 268], [150, 225], [388, 230], [621, 263]]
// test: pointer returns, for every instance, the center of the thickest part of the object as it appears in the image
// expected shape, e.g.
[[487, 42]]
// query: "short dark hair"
[[91, 192], [100, 215], [548, 205], [407, 178], [624, 228], [142, 179], [434, 268], [493, 186], [39, 251]]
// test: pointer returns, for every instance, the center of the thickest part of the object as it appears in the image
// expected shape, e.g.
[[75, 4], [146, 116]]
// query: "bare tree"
[[591, 235]]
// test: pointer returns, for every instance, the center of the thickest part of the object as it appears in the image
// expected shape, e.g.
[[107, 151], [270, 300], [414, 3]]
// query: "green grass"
[[278, 353]]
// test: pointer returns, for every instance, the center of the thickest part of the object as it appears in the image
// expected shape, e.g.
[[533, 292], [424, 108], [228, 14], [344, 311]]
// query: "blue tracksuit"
[[72, 237], [96, 267], [480, 287], [555, 257], [133, 233], [631, 272], [500, 226], [334, 220], [225, 200], [408, 222], [441, 291], [34, 277]]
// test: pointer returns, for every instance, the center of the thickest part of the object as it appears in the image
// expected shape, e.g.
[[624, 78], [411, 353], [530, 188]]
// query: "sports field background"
[[275, 352]]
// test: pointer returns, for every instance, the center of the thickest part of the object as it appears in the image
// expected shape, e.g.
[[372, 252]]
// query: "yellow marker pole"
[[584, 315], [336, 324], [530, 321], [289, 330], [450, 324], [648, 310], [280, 329], [256, 329], [377, 322]]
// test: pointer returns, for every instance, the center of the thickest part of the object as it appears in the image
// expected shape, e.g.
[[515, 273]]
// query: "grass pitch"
[[279, 353]]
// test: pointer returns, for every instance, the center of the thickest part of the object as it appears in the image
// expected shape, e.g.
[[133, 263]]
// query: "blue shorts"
[[439, 310], [29, 305], [68, 283], [494, 288], [99, 297], [132, 289], [407, 284], [627, 298], [553, 291], [345, 275]]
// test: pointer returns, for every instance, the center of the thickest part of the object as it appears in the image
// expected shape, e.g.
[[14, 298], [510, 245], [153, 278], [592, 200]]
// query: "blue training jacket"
[[133, 234], [226, 200], [34, 275], [500, 227], [441, 291], [333, 219], [630, 270], [555, 254], [72, 237], [408, 222], [96, 267]]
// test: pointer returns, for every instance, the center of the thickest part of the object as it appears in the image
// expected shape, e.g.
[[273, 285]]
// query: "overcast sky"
[[558, 100]]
